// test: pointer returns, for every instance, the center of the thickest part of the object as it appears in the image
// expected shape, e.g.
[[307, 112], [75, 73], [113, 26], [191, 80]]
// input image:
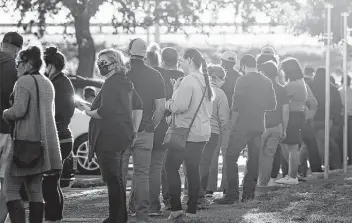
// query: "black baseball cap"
[[14, 39]]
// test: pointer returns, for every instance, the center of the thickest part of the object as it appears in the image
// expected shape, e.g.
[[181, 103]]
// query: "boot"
[[36, 211], [16, 211]]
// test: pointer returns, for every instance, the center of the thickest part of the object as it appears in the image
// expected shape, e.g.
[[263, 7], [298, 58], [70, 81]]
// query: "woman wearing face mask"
[[64, 109], [194, 90], [32, 112], [116, 113], [218, 122]]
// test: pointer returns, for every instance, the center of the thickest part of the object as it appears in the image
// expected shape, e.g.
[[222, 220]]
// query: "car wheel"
[[81, 152]]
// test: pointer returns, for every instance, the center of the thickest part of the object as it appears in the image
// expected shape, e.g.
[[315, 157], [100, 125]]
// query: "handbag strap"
[[38, 105], [200, 104]]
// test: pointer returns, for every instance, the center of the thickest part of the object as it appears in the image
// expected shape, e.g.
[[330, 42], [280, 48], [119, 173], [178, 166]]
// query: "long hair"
[[153, 55], [292, 69], [116, 56], [199, 62]]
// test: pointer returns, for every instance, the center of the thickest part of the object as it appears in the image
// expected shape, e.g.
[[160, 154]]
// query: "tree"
[[168, 12], [312, 18]]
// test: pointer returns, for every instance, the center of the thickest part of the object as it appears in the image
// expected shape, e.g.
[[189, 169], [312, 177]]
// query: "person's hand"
[[283, 135], [133, 139], [4, 118]]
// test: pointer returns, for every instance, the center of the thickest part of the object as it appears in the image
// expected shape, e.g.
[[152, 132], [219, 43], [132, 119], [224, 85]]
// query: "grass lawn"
[[316, 200]]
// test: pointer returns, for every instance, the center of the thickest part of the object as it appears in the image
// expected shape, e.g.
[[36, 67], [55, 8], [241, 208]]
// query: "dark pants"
[[205, 161], [279, 161], [312, 147], [191, 155], [237, 143], [110, 162], [52, 193]]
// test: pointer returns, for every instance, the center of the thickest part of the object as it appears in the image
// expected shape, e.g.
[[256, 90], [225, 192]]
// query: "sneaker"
[[288, 180], [225, 201], [190, 216], [247, 197], [131, 213], [203, 203], [209, 194], [155, 213], [272, 182], [175, 215]]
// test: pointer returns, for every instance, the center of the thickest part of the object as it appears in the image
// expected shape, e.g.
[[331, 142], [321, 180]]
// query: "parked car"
[[78, 159]]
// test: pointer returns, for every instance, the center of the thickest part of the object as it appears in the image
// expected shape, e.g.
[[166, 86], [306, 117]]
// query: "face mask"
[[47, 72], [104, 69]]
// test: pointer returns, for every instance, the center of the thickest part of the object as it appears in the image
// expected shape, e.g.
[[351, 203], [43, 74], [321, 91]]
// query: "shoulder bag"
[[27, 154], [176, 137]]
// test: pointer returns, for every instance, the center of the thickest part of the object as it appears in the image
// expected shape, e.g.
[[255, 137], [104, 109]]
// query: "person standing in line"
[[228, 62], [149, 84], [64, 108], [349, 114], [297, 92], [318, 89], [115, 114], [159, 151], [169, 60], [219, 121], [193, 91], [32, 109], [10, 46], [276, 125], [248, 110]]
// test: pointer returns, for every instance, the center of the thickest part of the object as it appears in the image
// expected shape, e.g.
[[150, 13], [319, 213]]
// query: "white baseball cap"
[[229, 56]]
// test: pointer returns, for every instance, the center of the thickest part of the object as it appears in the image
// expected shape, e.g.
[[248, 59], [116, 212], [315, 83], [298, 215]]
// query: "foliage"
[[312, 18]]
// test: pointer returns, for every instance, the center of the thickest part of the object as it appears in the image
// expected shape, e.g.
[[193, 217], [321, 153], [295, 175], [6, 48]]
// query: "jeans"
[[205, 162], [237, 143], [141, 153], [5, 147], [156, 167], [3, 208], [271, 139], [33, 185], [174, 158], [52, 193], [110, 162], [312, 147], [213, 171], [279, 161]]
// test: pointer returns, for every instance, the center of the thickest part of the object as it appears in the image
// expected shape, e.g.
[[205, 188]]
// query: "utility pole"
[[345, 118]]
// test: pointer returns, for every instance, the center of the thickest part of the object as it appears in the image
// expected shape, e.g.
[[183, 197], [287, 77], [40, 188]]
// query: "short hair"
[[248, 60], [115, 56], [216, 71], [169, 56], [33, 55], [89, 92], [269, 69], [292, 69], [54, 57], [309, 71], [263, 57]]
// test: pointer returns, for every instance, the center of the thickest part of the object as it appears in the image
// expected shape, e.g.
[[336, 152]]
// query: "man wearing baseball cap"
[[149, 84], [228, 61], [10, 46]]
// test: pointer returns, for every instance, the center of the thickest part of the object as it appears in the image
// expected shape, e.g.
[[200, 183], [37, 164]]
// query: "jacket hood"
[[4, 57]]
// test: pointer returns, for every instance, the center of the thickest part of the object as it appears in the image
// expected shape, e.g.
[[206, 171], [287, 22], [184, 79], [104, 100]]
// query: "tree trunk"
[[86, 47]]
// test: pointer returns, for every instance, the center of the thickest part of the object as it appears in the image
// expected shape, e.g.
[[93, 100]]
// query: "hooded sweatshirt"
[[221, 111], [8, 78], [184, 104]]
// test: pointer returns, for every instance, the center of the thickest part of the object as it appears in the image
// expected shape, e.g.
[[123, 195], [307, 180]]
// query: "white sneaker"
[[288, 180], [175, 215], [191, 216], [272, 182]]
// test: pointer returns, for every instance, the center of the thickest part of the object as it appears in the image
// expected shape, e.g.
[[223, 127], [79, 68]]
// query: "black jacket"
[[8, 78], [64, 104]]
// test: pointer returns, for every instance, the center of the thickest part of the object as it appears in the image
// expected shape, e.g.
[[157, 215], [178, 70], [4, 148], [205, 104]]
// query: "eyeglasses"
[[18, 62], [217, 78], [104, 63]]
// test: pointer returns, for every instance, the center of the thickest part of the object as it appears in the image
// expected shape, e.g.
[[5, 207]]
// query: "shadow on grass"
[[318, 201]]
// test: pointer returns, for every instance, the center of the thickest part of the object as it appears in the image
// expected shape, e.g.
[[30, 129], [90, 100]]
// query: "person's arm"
[[285, 117], [64, 101], [137, 111], [312, 104], [159, 100], [224, 116], [182, 97], [21, 101], [271, 97]]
